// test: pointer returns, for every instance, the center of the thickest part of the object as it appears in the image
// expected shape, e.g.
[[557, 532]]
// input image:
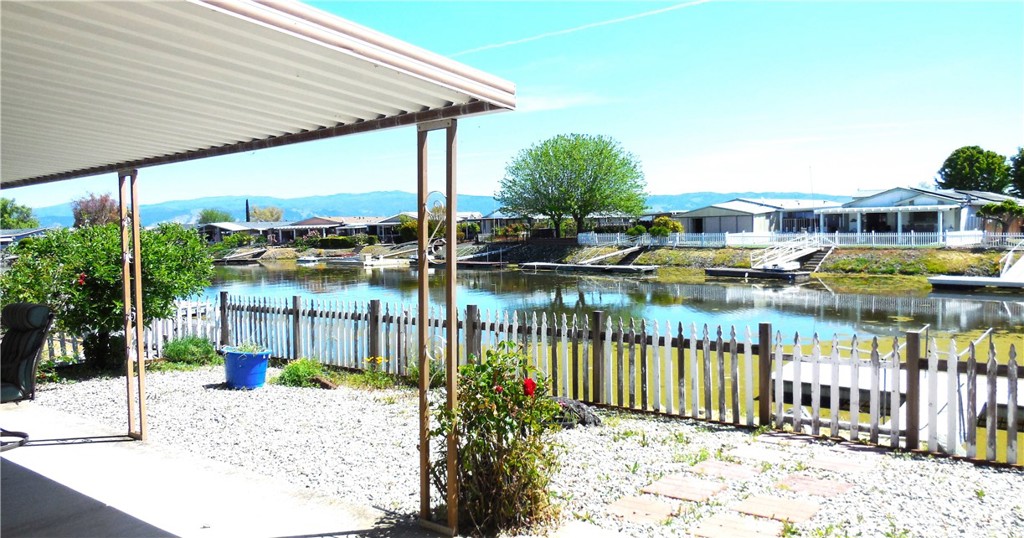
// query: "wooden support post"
[[421, 322], [451, 261], [764, 379], [131, 271], [374, 328], [473, 340], [597, 348], [224, 334], [296, 327], [913, 390]]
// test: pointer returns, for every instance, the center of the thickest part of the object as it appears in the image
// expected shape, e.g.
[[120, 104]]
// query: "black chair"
[[25, 326]]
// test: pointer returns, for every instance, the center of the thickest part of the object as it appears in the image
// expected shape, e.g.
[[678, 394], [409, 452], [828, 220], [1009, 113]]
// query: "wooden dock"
[[969, 282], [759, 274], [579, 268]]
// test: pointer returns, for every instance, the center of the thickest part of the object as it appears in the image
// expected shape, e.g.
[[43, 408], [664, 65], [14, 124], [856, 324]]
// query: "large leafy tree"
[[14, 215], [78, 274], [93, 210], [206, 216], [266, 214], [573, 176], [1005, 213], [1017, 172], [976, 169]]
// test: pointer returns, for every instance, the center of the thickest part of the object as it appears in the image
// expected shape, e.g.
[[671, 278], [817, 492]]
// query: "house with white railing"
[[756, 215], [903, 210]]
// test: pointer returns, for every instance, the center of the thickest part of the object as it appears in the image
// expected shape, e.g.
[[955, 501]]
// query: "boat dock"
[[1011, 275], [760, 274], [578, 268]]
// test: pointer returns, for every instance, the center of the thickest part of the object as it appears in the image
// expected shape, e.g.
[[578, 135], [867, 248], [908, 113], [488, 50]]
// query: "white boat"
[[308, 259], [367, 260]]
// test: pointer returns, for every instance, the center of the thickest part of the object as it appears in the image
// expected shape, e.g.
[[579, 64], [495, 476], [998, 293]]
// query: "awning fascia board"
[[891, 209], [455, 111]]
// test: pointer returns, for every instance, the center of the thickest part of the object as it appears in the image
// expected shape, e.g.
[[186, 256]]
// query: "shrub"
[[659, 231], [300, 373], [437, 373], [506, 459], [193, 350], [236, 240], [636, 231], [374, 376], [336, 241]]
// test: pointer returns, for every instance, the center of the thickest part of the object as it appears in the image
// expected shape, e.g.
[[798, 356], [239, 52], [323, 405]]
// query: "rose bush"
[[506, 457]]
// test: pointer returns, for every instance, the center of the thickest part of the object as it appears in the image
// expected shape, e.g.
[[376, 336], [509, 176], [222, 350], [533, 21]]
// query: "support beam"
[[421, 321], [452, 352], [131, 271]]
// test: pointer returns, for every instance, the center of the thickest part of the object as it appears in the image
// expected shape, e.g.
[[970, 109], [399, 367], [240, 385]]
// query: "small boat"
[[308, 259]]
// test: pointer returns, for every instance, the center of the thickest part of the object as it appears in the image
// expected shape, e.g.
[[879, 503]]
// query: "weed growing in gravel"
[[979, 493], [722, 456], [692, 458], [49, 366], [300, 373], [375, 376], [191, 351], [789, 529], [634, 467], [681, 438], [894, 531], [612, 421], [766, 466]]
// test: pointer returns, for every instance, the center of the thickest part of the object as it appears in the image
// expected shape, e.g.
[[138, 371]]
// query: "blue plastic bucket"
[[246, 370]]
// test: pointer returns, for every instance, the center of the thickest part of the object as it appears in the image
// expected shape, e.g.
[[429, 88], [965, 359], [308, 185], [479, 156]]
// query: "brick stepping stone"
[[760, 453], [684, 487], [724, 469], [642, 510], [815, 486], [737, 526], [841, 463], [790, 510]]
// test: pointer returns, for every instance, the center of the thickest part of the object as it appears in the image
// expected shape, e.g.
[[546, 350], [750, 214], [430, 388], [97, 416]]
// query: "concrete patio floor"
[[75, 478]]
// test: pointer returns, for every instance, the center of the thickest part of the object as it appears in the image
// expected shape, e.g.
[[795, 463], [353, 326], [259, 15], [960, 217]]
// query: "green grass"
[[190, 351]]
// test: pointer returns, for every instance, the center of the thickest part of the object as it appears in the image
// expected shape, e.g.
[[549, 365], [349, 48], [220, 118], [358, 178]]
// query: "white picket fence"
[[878, 393], [768, 239]]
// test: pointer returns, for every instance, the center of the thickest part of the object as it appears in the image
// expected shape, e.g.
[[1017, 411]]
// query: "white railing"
[[1007, 261], [768, 239], [784, 252]]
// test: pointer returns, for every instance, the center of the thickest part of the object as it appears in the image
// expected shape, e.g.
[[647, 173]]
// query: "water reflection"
[[789, 308]]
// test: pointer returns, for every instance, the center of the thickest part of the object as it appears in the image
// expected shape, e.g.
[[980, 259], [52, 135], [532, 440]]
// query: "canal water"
[[807, 309]]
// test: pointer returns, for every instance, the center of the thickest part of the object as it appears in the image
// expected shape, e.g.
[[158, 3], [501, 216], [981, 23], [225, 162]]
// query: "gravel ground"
[[361, 446]]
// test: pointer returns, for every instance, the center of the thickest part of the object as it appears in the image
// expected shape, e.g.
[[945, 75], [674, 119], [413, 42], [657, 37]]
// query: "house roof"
[[97, 87]]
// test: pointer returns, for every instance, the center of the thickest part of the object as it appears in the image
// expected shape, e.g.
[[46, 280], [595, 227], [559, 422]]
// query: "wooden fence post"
[[764, 378], [224, 318], [913, 389], [473, 340], [597, 348], [296, 327], [374, 328]]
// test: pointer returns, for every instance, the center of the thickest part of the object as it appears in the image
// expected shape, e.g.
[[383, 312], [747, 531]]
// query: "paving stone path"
[[752, 516]]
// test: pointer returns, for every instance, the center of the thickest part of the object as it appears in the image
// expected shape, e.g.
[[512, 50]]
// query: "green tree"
[[14, 216], [266, 214], [1005, 213], [976, 169], [572, 177], [209, 215], [408, 228], [673, 226], [78, 274], [95, 210], [1017, 172]]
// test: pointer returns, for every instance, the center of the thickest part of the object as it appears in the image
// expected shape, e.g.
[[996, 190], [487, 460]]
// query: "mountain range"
[[381, 204]]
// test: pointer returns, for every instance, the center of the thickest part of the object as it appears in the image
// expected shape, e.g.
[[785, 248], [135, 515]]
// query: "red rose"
[[498, 389], [81, 279], [529, 386]]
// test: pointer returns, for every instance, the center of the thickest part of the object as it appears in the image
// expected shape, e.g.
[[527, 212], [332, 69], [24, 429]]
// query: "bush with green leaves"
[[301, 373], [191, 350], [659, 231], [506, 456], [436, 376], [636, 231], [78, 273]]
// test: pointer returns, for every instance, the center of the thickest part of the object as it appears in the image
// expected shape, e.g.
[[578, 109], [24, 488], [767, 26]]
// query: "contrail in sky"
[[583, 27]]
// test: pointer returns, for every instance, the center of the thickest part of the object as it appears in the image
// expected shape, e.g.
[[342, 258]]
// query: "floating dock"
[[473, 265], [760, 274], [580, 268], [947, 282]]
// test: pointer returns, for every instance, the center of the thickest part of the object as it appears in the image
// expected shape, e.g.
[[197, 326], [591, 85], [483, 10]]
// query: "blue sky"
[[830, 97]]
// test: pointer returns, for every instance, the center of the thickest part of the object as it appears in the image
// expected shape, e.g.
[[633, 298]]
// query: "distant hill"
[[383, 203]]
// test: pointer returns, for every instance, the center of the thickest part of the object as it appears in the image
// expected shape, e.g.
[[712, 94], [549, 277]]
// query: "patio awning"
[[95, 87]]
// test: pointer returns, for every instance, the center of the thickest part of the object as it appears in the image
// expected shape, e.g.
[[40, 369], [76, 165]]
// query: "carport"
[[114, 87]]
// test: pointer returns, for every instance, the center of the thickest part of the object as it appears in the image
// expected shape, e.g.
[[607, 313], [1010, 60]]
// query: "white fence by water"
[[914, 392], [767, 239]]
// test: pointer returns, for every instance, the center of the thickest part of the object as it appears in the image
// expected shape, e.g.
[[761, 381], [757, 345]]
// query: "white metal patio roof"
[[94, 87]]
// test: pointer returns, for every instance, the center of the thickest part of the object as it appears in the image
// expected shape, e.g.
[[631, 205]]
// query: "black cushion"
[[24, 316]]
